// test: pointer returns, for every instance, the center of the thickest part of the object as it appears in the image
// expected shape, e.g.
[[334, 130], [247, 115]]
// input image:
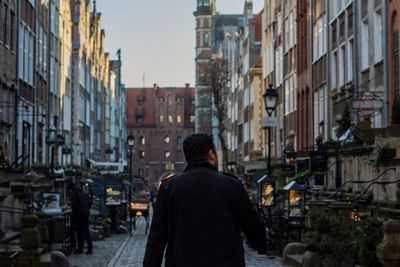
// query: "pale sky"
[[157, 37]]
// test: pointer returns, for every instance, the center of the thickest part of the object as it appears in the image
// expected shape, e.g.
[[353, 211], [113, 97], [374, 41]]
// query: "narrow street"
[[126, 251]]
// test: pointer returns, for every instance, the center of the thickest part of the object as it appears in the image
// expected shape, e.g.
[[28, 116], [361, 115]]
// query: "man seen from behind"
[[200, 214]]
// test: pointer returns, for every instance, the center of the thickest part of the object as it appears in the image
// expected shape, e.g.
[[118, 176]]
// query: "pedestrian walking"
[[80, 205], [200, 214]]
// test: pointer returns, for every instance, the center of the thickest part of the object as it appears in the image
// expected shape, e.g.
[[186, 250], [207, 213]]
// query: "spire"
[[94, 6]]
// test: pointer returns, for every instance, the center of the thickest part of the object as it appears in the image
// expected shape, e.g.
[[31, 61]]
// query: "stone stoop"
[[295, 260], [293, 254], [45, 260]]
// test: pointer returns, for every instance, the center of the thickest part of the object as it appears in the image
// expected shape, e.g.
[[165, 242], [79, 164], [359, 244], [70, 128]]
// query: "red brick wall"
[[158, 102], [303, 121]]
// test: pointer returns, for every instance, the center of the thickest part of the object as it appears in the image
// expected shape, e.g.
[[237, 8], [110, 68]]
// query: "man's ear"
[[211, 154]]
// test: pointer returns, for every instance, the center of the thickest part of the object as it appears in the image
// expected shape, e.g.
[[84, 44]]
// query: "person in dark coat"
[[80, 206], [200, 214]]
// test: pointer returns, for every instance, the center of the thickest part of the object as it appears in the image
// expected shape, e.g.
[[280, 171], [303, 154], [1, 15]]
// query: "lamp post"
[[270, 98], [51, 141], [131, 143]]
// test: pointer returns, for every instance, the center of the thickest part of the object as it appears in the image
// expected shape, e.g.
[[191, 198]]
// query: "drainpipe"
[[328, 77], [355, 52], [385, 64], [17, 82]]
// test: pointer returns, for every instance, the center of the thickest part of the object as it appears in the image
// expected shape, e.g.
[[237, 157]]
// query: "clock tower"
[[203, 107]]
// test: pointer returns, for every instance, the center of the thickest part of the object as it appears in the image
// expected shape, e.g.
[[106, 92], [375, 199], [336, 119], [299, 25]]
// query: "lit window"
[[141, 154], [167, 140], [191, 118], [178, 119], [142, 140], [170, 119], [161, 118], [206, 39], [167, 154]]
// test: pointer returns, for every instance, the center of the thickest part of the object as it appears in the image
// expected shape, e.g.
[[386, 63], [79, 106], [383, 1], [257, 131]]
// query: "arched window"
[[141, 172], [206, 39], [167, 139], [142, 140]]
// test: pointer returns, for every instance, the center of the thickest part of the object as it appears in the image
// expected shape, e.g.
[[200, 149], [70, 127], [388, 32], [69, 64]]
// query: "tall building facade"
[[54, 77], [159, 119], [204, 13], [8, 77]]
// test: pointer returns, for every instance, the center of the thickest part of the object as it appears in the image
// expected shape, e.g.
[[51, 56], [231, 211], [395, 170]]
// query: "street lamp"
[[131, 143], [51, 141], [270, 98]]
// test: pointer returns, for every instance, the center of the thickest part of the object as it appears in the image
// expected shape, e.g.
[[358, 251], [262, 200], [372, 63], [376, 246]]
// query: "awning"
[[293, 185]]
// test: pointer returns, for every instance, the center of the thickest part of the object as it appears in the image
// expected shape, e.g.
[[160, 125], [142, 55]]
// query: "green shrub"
[[339, 241]]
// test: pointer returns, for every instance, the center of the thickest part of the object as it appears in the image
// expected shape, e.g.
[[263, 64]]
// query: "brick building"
[[159, 119], [303, 123], [394, 56], [8, 77]]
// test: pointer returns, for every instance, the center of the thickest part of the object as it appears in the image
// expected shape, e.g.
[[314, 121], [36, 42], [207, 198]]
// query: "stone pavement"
[[131, 252], [128, 251], [103, 251]]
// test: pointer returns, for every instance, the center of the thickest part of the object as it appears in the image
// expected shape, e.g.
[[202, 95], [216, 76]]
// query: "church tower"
[[203, 107]]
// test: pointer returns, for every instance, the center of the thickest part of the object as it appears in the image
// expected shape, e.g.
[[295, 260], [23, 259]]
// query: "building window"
[[206, 39], [142, 154], [179, 119], [341, 26], [350, 19], [378, 37], [161, 118], [167, 155], [179, 155], [364, 48], [179, 140], [139, 118], [140, 100], [170, 119], [141, 172], [333, 70], [192, 118], [350, 61], [167, 139], [334, 34], [342, 65], [5, 26], [142, 140]]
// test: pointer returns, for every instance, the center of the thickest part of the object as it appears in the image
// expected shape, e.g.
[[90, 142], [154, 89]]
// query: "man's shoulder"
[[167, 178], [231, 177]]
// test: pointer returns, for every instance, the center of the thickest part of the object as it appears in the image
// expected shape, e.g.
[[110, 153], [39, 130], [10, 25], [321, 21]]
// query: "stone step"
[[45, 260], [295, 260]]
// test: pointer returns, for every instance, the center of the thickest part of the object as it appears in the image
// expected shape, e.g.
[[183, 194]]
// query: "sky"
[[157, 38]]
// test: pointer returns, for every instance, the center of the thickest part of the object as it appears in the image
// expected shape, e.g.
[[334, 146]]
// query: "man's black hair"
[[197, 146]]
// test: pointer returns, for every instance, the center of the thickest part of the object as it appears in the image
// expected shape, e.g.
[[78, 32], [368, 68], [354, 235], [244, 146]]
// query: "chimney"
[[187, 85], [155, 86]]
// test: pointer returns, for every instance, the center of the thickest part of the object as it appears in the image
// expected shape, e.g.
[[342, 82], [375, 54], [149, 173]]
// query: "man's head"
[[199, 147]]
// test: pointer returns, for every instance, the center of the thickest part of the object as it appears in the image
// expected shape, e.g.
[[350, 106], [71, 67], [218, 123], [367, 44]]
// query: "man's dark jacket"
[[199, 216], [80, 202]]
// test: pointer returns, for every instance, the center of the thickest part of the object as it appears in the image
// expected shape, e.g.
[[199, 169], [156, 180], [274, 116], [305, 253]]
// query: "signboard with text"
[[270, 122]]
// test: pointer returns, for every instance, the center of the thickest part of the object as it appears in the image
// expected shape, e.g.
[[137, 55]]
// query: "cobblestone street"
[[126, 251]]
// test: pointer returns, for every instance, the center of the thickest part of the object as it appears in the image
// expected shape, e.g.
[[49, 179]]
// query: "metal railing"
[[361, 182]]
